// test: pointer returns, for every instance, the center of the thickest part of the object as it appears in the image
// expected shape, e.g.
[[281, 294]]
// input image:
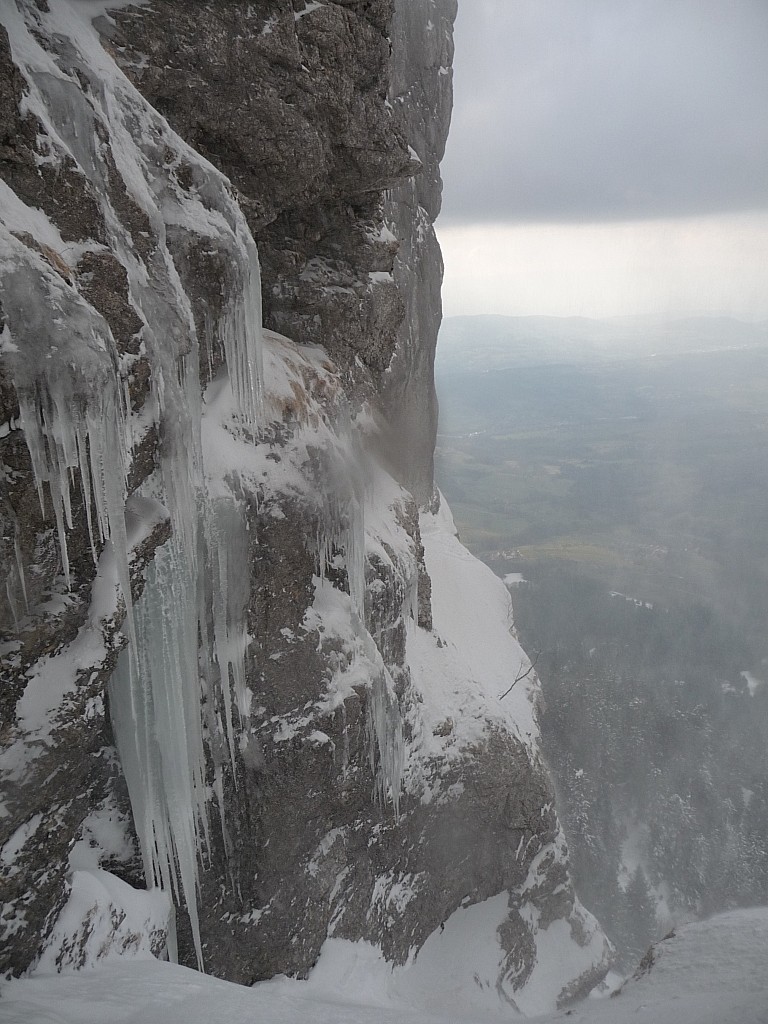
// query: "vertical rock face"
[[421, 89], [223, 673], [290, 101]]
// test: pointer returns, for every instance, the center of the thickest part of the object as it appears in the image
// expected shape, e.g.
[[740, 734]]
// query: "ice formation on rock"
[[155, 707], [72, 406], [76, 418], [387, 752], [190, 616], [224, 587], [341, 487]]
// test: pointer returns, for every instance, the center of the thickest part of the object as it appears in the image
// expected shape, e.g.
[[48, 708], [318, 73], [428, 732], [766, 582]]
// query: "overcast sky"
[[608, 156]]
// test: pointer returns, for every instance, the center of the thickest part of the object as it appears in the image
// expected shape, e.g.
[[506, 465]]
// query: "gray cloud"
[[608, 110]]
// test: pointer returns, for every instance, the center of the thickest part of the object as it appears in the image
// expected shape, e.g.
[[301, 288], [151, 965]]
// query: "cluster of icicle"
[[75, 415], [155, 692], [72, 403]]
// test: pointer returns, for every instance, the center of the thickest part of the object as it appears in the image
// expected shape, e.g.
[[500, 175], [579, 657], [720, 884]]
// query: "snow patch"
[[712, 972], [753, 683], [106, 919]]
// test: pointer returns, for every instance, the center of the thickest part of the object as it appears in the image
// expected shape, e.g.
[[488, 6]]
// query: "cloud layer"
[[598, 110], [681, 266]]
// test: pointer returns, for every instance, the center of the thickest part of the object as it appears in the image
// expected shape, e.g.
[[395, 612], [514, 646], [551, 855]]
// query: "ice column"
[[385, 736], [155, 707], [225, 584]]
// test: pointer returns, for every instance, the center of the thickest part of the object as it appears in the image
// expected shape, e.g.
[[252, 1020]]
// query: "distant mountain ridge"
[[493, 342]]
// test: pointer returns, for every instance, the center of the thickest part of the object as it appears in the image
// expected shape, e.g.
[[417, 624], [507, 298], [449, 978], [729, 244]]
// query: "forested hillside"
[[623, 499]]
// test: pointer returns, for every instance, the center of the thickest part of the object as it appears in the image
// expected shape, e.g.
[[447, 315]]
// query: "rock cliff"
[[246, 664]]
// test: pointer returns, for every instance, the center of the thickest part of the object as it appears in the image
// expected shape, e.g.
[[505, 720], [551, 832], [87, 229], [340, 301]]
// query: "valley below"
[[620, 492]]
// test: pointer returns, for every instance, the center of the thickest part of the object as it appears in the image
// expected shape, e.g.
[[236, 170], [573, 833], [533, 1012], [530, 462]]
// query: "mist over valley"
[[619, 490]]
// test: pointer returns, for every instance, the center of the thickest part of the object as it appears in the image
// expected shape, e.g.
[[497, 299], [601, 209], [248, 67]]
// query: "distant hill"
[[494, 342]]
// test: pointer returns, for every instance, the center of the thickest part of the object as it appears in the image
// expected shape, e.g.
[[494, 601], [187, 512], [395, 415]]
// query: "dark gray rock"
[[291, 106], [421, 90]]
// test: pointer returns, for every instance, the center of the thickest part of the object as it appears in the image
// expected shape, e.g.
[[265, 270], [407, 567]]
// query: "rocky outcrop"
[[290, 101], [421, 92], [236, 662]]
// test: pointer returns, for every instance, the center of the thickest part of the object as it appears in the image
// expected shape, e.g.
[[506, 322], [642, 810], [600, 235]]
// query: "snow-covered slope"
[[712, 972]]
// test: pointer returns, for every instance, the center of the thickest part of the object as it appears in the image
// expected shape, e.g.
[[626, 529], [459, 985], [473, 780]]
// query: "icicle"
[[12, 603], [70, 401], [385, 738], [226, 574], [354, 463], [218, 789], [156, 715], [156, 704], [105, 438], [85, 486], [356, 556], [341, 527], [61, 440], [171, 943], [20, 569], [345, 734], [410, 609], [240, 330]]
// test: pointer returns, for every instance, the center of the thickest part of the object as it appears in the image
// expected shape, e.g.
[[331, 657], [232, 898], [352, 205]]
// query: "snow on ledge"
[[471, 657]]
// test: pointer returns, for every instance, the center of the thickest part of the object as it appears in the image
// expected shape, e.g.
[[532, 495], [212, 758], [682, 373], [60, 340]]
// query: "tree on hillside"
[[637, 924]]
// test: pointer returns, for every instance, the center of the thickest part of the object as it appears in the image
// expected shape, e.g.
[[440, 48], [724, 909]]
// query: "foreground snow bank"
[[712, 972]]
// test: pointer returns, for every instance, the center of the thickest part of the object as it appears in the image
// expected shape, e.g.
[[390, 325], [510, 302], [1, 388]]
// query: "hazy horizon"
[[650, 317], [608, 159]]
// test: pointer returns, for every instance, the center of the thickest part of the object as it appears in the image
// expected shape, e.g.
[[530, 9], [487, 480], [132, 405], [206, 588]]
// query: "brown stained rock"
[[103, 281], [52, 258]]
